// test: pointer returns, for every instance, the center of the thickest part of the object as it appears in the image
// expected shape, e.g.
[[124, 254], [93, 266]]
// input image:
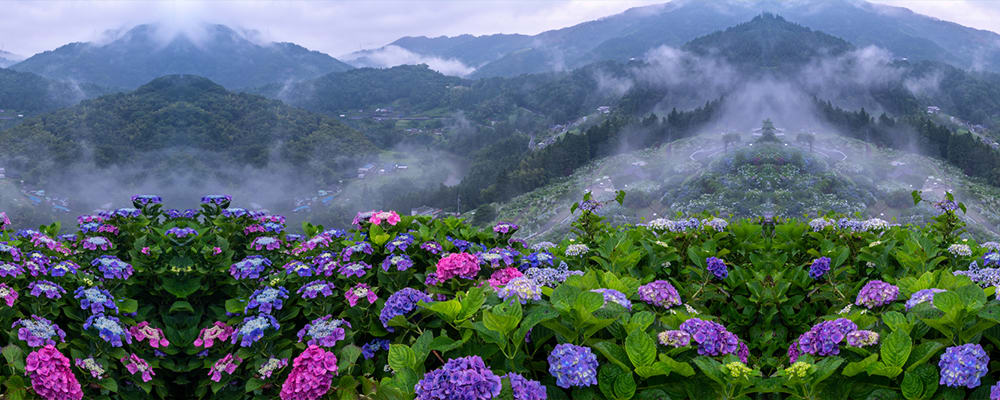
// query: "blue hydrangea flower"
[[234, 212], [127, 212], [253, 328], [922, 296], [316, 288], [461, 245], [819, 267], [50, 289], [497, 257], [359, 247], [140, 200], [357, 268], [109, 328], [96, 299], [186, 213], [402, 262], [250, 267], [573, 365], [717, 267], [181, 233], [464, 378], [217, 199], [614, 296], [298, 268], [538, 259], [432, 247], [63, 268], [369, 349], [550, 277], [401, 303], [713, 339], [325, 331], [963, 365], [112, 267], [11, 270], [526, 389], [400, 243], [267, 299]]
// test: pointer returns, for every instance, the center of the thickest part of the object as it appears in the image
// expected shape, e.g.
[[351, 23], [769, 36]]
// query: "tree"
[[730, 138], [485, 214], [807, 138]]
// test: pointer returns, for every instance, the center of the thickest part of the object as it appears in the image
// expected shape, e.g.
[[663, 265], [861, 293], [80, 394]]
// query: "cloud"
[[390, 56]]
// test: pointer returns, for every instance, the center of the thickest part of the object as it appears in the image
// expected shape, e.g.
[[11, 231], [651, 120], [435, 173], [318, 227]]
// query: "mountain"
[[27, 94], [7, 59], [219, 53], [634, 32], [176, 124]]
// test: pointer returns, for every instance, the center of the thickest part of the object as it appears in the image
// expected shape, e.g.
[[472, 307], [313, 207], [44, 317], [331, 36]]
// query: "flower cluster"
[[48, 288], [8, 294], [963, 365], [526, 389], [718, 224], [324, 331], [717, 267], [713, 339], [960, 250], [861, 338], [250, 267], [312, 373], [401, 303], [659, 293], [369, 349], [97, 242], [614, 296], [218, 331], [181, 233], [877, 293], [90, 365], [109, 328], [505, 228], [819, 267], [135, 364], [112, 267], [521, 289], [316, 288], [272, 364], [38, 331], [573, 365], [144, 331], [140, 200], [432, 247], [400, 243], [355, 268], [550, 277], [358, 292], [252, 329], [221, 200], [51, 375], [538, 259], [268, 243], [575, 250], [922, 296], [225, 364], [463, 265], [388, 216], [674, 338], [267, 299], [64, 267], [187, 213], [824, 338], [464, 378], [500, 277], [402, 262]]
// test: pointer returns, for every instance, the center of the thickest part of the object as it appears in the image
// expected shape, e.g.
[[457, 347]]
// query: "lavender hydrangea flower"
[[861, 338], [188, 213], [577, 249], [109, 328], [659, 293], [298, 268], [11, 270], [614, 296], [8, 294], [550, 277], [995, 391], [63, 268], [96, 299], [402, 262], [960, 250], [401, 303], [526, 389], [357, 268], [497, 257], [325, 331], [461, 245], [97, 242], [112, 267], [399, 243], [985, 277], [35, 268], [824, 338], [713, 339], [819, 267], [717, 267], [250, 267], [432, 247], [922, 296], [38, 331], [369, 349], [877, 293], [267, 299], [464, 378], [127, 212], [217, 199], [253, 328], [674, 338], [963, 365], [234, 212], [140, 200], [359, 247], [521, 289], [181, 233], [268, 243], [505, 228], [358, 292], [14, 252], [294, 238], [316, 288], [50, 289], [573, 365]]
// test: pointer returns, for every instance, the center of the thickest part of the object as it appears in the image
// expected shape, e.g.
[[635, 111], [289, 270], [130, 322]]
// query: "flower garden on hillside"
[[224, 303]]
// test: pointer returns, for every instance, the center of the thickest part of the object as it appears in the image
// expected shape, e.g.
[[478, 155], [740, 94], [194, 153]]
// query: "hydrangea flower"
[[42, 241], [399, 243], [718, 224], [253, 328], [963, 365], [112, 267], [218, 331], [824, 338], [590, 206], [388, 216], [135, 364], [11, 270], [713, 339], [501, 277], [51, 375], [272, 364], [402, 262], [463, 265], [575, 250], [538, 259], [945, 206], [267, 299], [521, 289], [497, 257], [311, 376], [48, 288], [360, 291], [225, 364], [463, 378], [217, 199], [8, 294], [995, 391], [63, 268], [659, 293], [614, 296], [369, 349], [4, 221], [127, 212], [985, 277], [109, 328], [316, 288], [298, 268], [876, 293], [861, 338], [717, 267], [249, 267], [401, 303], [526, 389], [96, 299], [461, 245], [234, 212], [181, 233], [144, 331], [505, 228], [550, 277], [324, 331], [432, 247], [356, 248], [960, 250], [819, 267], [356, 268], [992, 246], [14, 252], [38, 331], [922, 296], [140, 200], [573, 365], [268, 243], [187, 213], [674, 338], [67, 238], [91, 365]]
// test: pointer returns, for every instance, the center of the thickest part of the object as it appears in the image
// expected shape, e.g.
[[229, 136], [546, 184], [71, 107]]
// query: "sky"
[[343, 26]]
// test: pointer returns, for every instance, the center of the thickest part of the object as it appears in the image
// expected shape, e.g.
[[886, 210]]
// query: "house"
[[604, 109], [933, 109], [366, 169], [402, 167]]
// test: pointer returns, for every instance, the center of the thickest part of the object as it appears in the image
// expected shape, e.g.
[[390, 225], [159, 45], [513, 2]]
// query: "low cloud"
[[390, 56]]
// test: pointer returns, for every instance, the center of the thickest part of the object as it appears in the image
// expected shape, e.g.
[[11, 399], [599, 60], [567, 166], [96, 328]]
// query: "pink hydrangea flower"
[[134, 363], [358, 292], [500, 277], [225, 364], [218, 331], [8, 294], [312, 373], [145, 250], [463, 265], [144, 331], [388, 216], [51, 375], [216, 251]]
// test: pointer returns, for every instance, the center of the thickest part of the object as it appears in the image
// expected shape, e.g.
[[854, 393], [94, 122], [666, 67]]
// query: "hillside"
[[179, 123], [141, 54], [27, 94]]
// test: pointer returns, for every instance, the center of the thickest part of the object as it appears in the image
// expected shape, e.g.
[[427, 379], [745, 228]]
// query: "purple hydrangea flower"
[[97, 242], [550, 277], [369, 349], [526, 389], [186, 213], [674, 338], [48, 288], [995, 392], [497, 257], [96, 299], [63, 268], [316, 288], [573, 365], [112, 267], [614, 296], [250, 267], [38, 331], [464, 378], [217, 199], [713, 339], [181, 233], [400, 243], [109, 328], [357, 268], [127, 212], [824, 338], [876, 293], [266, 243], [659, 293], [401, 303], [67, 238], [11, 270], [432, 247], [461, 245], [861, 338], [294, 238], [325, 331], [402, 262], [267, 299], [234, 212], [253, 328], [963, 365], [359, 247], [505, 228], [14, 252], [922, 296], [8, 294], [358, 292], [298, 268], [140, 200], [717, 267], [819, 267]]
